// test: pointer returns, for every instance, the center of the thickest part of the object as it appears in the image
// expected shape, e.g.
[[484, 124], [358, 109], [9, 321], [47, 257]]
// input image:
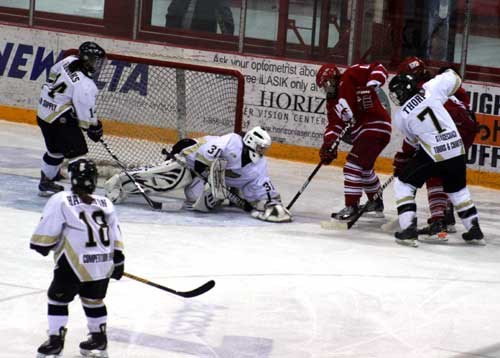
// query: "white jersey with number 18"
[[424, 120], [86, 235], [68, 90]]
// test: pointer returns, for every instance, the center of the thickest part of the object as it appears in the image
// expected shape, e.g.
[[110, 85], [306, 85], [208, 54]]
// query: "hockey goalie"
[[212, 170]]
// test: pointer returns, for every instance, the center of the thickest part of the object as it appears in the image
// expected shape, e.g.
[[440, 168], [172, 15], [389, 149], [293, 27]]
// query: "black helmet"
[[402, 87], [91, 57], [83, 174]]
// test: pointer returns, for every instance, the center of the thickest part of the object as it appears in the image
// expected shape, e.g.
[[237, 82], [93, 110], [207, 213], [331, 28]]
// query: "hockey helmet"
[[83, 174], [92, 58], [257, 140], [328, 77], [415, 66], [402, 87]]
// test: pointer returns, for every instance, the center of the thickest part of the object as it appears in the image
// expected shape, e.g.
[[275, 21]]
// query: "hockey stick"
[[154, 204], [320, 164], [188, 294], [234, 198], [335, 224]]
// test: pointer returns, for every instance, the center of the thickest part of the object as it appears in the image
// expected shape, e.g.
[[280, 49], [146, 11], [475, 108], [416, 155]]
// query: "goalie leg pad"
[[216, 179], [200, 200], [168, 176]]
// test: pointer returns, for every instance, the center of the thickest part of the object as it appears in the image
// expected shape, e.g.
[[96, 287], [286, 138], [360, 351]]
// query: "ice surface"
[[283, 290]]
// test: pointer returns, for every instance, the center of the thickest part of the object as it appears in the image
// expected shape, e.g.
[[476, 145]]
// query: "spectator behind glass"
[[200, 15]]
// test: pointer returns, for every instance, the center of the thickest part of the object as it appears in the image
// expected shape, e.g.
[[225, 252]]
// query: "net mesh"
[[148, 105]]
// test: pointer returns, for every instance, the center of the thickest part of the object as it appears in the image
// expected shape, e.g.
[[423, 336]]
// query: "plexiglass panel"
[[86, 8]]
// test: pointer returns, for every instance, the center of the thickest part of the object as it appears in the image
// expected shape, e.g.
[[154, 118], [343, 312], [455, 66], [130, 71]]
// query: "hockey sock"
[[371, 183], [51, 163], [437, 198], [57, 316], [353, 183], [96, 313], [464, 206], [405, 202]]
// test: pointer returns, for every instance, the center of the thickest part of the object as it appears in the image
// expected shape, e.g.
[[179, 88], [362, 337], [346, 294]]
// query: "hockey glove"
[[275, 213], [343, 111], [365, 98], [95, 132], [327, 154], [400, 161], [119, 261]]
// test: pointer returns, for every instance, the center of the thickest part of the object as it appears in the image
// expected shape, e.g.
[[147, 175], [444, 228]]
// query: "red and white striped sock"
[[353, 183], [371, 183]]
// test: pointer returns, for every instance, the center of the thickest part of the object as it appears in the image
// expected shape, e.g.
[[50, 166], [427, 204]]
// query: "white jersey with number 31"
[[86, 235], [424, 120], [68, 90], [252, 179]]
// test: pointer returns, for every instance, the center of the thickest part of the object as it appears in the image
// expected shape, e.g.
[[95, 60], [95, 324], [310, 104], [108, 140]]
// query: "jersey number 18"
[[99, 219]]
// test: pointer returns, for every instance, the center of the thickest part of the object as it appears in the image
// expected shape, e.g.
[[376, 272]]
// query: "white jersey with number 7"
[[424, 120]]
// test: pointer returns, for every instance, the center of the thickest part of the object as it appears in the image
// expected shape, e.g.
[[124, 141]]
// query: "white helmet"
[[258, 141]]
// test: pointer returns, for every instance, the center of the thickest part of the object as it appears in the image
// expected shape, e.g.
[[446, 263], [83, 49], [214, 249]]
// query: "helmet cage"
[[258, 141], [92, 57]]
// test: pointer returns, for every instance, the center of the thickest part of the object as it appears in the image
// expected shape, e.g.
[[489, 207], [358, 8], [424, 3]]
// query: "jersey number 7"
[[428, 112]]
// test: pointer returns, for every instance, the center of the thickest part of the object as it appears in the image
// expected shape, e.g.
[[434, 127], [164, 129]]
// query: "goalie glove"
[[274, 212]]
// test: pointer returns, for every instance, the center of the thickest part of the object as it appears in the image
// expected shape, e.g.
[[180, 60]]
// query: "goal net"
[[146, 105]]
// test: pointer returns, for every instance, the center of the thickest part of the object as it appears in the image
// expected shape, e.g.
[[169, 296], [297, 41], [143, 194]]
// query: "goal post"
[[148, 104]]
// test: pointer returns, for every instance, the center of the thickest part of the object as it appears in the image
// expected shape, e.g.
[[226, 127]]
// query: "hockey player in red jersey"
[[352, 101], [442, 219]]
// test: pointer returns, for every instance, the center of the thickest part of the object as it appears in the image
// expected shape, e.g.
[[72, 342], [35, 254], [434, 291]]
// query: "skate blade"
[[334, 225], [440, 237], [451, 229], [410, 243], [45, 194], [94, 353], [476, 242], [41, 355], [375, 214]]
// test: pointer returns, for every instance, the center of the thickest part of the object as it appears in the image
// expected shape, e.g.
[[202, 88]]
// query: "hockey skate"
[[434, 232], [474, 235], [96, 345], [408, 236], [53, 347], [376, 207], [346, 214], [449, 219], [48, 187]]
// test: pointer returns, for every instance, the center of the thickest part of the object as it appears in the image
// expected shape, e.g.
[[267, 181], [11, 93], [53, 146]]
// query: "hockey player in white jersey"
[[82, 230], [65, 108], [424, 121], [229, 165]]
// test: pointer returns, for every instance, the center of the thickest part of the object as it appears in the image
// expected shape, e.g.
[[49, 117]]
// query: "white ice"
[[282, 290]]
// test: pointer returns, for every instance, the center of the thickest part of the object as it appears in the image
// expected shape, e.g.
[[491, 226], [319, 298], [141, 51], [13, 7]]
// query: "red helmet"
[[412, 65], [328, 77], [415, 66]]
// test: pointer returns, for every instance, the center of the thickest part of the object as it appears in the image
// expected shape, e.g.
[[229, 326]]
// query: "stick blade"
[[207, 286], [334, 225]]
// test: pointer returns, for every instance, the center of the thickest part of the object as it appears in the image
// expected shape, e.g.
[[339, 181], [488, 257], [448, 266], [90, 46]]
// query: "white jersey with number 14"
[[68, 90]]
